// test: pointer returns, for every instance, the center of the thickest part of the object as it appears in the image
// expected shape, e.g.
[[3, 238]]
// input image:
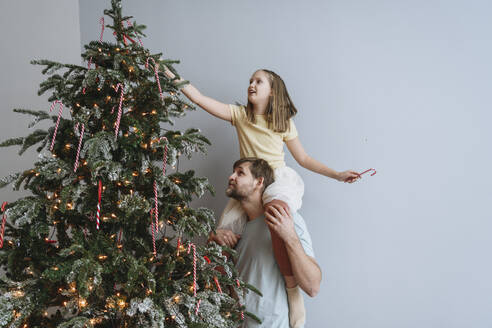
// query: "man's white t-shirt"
[[257, 266]]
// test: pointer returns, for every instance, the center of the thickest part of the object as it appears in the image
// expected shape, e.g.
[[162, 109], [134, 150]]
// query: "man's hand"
[[281, 222], [225, 237]]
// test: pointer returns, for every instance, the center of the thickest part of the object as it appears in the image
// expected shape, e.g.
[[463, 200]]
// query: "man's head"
[[249, 175]]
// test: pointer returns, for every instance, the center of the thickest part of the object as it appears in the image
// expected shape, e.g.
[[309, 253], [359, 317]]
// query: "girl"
[[263, 126]]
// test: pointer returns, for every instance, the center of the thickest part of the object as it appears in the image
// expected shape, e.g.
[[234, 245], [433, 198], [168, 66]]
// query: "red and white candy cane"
[[218, 285], [239, 286], [156, 70], [78, 148], [153, 230], [57, 122], [98, 213], [131, 25], [367, 171], [156, 208], [4, 220], [164, 158], [120, 109], [190, 246], [101, 21]]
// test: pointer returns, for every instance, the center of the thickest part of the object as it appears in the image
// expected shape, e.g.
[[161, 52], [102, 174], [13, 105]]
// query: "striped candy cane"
[[156, 209], [4, 220], [101, 21], [153, 230], [164, 159], [57, 122], [117, 127], [190, 246], [367, 171], [218, 285], [156, 70], [80, 144], [98, 213], [131, 25]]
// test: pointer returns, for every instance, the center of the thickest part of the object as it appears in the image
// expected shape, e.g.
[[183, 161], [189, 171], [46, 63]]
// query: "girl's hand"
[[167, 72], [348, 176]]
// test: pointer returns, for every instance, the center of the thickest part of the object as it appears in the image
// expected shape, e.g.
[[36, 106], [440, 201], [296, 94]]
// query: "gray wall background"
[[401, 86], [47, 29]]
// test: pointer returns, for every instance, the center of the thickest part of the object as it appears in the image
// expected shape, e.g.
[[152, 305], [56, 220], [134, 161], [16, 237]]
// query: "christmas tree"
[[105, 239]]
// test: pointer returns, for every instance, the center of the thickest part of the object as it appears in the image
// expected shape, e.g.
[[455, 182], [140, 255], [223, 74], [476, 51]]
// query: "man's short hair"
[[259, 168]]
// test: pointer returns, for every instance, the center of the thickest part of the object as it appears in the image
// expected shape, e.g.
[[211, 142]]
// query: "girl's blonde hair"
[[280, 108]]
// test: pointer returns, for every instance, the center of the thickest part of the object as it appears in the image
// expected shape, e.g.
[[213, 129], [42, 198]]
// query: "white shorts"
[[288, 187]]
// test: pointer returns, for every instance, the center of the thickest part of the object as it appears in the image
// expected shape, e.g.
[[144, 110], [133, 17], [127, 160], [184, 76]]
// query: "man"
[[255, 258]]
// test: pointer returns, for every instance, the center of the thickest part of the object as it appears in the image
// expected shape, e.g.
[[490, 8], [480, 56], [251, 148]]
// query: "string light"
[[102, 257], [82, 302]]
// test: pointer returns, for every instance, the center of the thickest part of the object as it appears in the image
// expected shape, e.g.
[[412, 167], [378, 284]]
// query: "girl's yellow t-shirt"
[[257, 140]]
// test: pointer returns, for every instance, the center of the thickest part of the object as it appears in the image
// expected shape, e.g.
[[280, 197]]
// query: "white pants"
[[288, 187]]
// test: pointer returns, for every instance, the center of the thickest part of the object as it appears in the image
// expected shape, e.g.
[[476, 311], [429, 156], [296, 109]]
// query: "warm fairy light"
[[148, 170], [108, 98], [95, 105], [145, 114], [131, 192], [60, 289], [18, 293], [37, 174], [99, 49], [144, 146], [104, 188], [84, 163], [65, 303], [130, 110], [77, 104], [131, 69], [117, 49], [120, 246], [73, 286], [148, 292], [69, 206], [58, 171], [179, 208], [176, 299], [191, 288], [55, 268], [177, 181], [135, 174], [53, 155], [113, 216], [82, 302], [45, 313], [173, 317], [121, 304], [102, 257], [68, 146], [153, 112], [126, 134], [118, 184], [127, 182], [98, 89], [166, 240], [187, 274], [105, 218]]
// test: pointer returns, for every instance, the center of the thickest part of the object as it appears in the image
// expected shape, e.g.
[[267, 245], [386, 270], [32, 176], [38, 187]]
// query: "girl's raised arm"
[[214, 107], [306, 161]]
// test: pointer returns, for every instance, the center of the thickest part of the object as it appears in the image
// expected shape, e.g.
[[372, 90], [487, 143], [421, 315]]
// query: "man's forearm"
[[305, 269]]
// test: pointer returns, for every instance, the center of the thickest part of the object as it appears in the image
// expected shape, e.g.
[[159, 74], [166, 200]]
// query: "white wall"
[[47, 29], [401, 86]]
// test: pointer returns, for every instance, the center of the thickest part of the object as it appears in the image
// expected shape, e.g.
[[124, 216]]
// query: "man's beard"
[[237, 194]]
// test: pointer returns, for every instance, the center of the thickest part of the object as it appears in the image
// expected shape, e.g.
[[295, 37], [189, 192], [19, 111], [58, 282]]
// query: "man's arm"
[[305, 269]]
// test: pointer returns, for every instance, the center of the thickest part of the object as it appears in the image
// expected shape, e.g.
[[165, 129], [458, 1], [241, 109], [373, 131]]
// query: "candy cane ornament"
[[120, 110], [101, 21], [78, 148], [164, 158], [153, 230], [4, 220], [190, 246], [156, 70], [57, 122], [131, 25], [98, 213], [367, 171]]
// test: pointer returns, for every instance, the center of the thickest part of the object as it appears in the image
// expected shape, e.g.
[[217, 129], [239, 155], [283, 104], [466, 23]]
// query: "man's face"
[[241, 182]]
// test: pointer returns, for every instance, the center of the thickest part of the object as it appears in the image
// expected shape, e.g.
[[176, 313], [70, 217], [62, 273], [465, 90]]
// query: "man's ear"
[[260, 181]]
